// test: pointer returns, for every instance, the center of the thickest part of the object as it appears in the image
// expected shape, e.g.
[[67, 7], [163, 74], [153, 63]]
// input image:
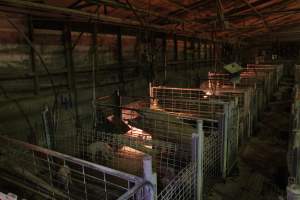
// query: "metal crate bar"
[[55, 175], [245, 98], [171, 141], [204, 106], [263, 79], [178, 128]]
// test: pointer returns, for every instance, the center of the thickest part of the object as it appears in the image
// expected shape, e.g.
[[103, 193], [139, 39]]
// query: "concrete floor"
[[261, 172]]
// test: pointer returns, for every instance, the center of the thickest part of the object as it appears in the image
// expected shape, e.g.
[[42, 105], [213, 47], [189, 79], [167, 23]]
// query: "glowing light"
[[128, 149], [208, 93], [154, 104], [138, 133]]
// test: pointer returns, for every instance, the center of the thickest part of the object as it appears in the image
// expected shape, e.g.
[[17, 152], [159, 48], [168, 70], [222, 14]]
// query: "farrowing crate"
[[124, 152], [175, 127], [273, 75], [171, 162], [178, 129], [244, 95], [277, 69], [263, 80], [53, 175], [246, 81], [194, 104]]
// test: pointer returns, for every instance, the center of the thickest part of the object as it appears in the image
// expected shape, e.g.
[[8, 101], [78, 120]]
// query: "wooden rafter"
[[257, 13]]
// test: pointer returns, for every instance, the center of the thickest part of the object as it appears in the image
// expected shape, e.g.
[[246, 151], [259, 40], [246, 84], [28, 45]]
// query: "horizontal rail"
[[84, 163]]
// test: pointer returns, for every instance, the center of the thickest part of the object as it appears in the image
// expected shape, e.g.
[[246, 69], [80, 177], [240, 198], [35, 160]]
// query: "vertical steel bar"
[[197, 156], [225, 140], [148, 176], [200, 159]]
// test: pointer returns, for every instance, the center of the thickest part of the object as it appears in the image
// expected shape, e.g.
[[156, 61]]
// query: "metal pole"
[[150, 89], [46, 126], [225, 142], [149, 177], [298, 166], [197, 156]]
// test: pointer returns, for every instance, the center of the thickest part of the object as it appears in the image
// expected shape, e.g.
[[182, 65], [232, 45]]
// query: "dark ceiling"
[[225, 19]]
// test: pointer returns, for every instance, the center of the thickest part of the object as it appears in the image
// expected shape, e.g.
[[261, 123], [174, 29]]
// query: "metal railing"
[[54, 175]]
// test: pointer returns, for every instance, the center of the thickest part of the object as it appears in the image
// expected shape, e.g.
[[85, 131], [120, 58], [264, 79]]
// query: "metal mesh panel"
[[126, 152], [183, 186], [244, 96], [59, 176], [157, 130], [233, 137], [212, 161], [188, 103], [178, 128], [262, 78]]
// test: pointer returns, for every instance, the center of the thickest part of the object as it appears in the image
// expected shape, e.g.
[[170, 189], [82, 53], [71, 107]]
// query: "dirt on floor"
[[262, 168]]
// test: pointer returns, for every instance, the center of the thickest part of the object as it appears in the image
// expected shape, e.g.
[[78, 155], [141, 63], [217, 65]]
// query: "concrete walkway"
[[262, 167]]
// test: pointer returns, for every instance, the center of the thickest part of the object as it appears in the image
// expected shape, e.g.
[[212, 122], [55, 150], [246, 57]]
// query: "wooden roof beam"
[[220, 13], [75, 3], [253, 8], [182, 11]]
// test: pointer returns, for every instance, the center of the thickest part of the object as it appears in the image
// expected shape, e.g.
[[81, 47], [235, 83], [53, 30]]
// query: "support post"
[[197, 157], [70, 67], [175, 48], [298, 166], [117, 102], [185, 49], [95, 58], [205, 52], [120, 55], [225, 140], [150, 192], [150, 90], [164, 51], [199, 50], [193, 50], [94, 69], [32, 56]]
